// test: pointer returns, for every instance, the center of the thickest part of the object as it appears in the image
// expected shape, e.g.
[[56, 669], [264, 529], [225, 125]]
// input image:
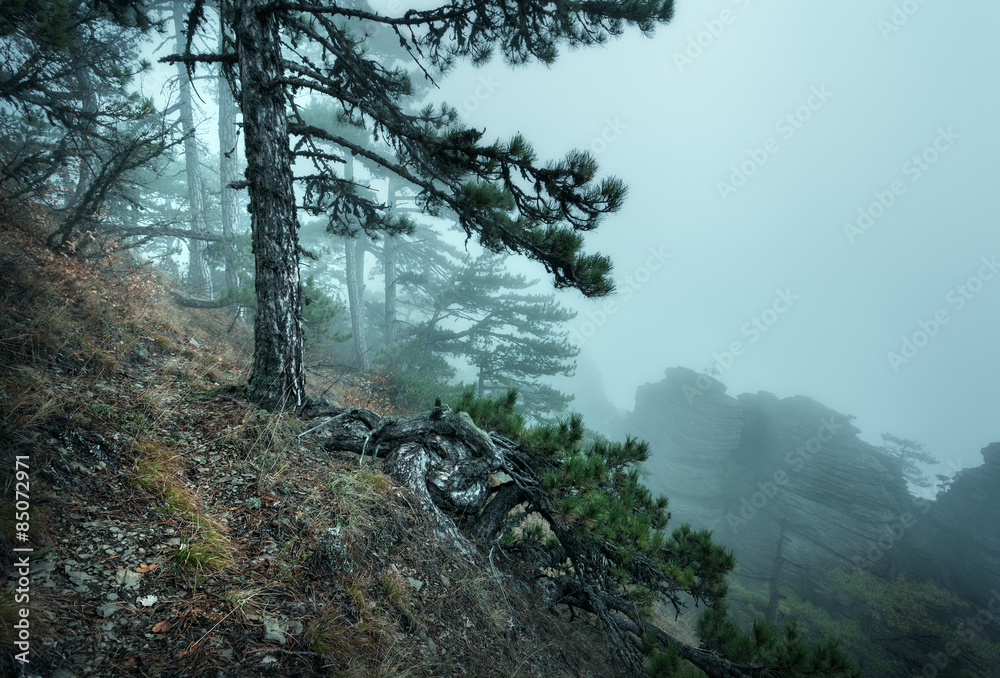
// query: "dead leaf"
[[146, 567], [161, 627]]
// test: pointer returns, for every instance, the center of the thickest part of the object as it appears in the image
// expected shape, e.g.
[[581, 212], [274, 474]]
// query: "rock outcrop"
[[958, 545], [745, 466]]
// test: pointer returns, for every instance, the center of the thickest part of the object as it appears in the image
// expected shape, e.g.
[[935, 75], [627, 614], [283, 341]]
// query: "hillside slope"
[[178, 531]]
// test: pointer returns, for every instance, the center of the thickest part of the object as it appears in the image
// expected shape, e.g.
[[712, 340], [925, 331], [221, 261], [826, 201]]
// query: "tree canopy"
[[499, 191]]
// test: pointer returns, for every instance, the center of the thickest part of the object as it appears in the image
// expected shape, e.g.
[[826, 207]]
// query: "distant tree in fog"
[[909, 453]]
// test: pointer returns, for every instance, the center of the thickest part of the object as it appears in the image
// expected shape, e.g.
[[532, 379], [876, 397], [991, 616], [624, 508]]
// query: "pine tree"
[[603, 547], [499, 192], [483, 315], [199, 276], [69, 64], [908, 453]]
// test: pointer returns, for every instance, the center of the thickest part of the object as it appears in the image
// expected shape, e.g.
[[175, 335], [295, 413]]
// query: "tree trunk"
[[199, 276], [774, 595], [87, 91], [277, 379], [227, 166], [354, 250], [389, 263], [495, 513]]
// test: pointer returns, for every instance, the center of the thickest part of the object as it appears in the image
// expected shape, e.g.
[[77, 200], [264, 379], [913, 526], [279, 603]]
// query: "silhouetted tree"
[[908, 453]]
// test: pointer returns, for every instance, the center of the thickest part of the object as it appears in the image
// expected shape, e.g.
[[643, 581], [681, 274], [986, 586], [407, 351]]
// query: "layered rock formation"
[[958, 545], [746, 466]]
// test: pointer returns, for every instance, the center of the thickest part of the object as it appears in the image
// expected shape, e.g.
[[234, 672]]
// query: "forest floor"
[[177, 530]]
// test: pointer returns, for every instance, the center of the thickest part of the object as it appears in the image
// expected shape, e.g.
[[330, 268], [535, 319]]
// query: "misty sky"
[[865, 142]]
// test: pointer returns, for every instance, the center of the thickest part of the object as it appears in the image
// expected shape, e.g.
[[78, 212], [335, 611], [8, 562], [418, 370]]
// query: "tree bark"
[[389, 264], [445, 461], [87, 91], [227, 163], [495, 513], [354, 252], [199, 275], [192, 302], [354, 267], [277, 380]]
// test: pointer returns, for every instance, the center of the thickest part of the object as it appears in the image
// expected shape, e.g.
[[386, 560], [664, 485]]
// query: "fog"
[[811, 207]]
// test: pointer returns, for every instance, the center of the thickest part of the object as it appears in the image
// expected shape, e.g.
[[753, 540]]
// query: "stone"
[[107, 609], [273, 630]]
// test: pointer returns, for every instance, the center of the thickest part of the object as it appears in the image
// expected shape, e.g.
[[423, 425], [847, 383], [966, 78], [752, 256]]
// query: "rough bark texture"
[[444, 459], [199, 275], [494, 515], [277, 380]]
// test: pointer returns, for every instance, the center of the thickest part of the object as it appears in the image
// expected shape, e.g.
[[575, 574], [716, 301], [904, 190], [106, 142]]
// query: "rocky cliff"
[[746, 466], [958, 545]]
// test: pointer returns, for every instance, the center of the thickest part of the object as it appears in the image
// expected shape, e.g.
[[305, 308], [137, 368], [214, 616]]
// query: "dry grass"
[[208, 549], [344, 544], [370, 392], [27, 401]]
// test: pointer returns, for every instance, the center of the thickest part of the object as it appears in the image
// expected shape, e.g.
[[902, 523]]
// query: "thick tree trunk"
[[277, 379], [389, 263], [199, 276], [495, 514]]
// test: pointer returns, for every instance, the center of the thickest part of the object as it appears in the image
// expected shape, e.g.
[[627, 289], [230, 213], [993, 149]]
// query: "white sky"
[[673, 130]]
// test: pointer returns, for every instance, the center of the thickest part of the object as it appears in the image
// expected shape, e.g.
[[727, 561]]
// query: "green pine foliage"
[[908, 453], [480, 314], [917, 625], [787, 653], [606, 547], [814, 622], [492, 413]]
